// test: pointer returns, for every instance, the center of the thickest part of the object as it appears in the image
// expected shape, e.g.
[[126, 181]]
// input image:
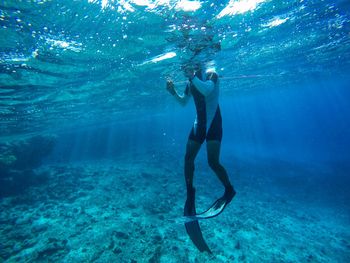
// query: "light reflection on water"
[[69, 61]]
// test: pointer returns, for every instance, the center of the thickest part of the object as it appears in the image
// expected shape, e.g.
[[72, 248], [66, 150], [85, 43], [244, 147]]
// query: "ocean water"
[[92, 144]]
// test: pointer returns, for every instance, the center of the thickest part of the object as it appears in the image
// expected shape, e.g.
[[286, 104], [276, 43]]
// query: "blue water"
[[82, 84]]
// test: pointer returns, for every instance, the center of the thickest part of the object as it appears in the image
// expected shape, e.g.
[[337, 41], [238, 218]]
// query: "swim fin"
[[214, 210], [217, 207], [192, 228], [194, 231]]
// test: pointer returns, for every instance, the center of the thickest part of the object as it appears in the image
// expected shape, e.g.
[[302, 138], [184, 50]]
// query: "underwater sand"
[[129, 210]]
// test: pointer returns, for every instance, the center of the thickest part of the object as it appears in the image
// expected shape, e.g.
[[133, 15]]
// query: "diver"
[[203, 86]]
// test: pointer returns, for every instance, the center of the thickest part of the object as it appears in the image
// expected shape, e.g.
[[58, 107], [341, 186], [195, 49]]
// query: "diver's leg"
[[192, 149], [213, 152]]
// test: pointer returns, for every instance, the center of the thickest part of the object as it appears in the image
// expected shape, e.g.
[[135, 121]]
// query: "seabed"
[[129, 210]]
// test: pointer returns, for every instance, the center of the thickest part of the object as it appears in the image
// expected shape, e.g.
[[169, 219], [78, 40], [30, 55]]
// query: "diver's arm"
[[204, 87], [182, 99]]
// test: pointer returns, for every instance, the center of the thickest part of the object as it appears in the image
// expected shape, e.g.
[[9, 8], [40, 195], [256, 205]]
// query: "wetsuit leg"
[[194, 142], [213, 152], [192, 150], [213, 138], [192, 228]]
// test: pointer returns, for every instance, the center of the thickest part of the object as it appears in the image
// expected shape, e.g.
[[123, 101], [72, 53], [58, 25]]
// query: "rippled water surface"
[[64, 62]]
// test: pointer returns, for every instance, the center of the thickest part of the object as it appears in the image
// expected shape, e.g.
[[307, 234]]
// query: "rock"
[[157, 239], [156, 256], [64, 242], [25, 154], [238, 245], [18, 160], [24, 219], [49, 250], [121, 235], [52, 239], [175, 248], [39, 225], [17, 247], [7, 159], [30, 153], [117, 251]]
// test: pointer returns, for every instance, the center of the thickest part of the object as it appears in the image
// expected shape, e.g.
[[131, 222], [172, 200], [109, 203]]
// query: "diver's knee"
[[213, 164]]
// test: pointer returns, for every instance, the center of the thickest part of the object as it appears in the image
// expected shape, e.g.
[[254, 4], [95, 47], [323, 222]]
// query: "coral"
[[7, 159], [30, 153], [18, 159]]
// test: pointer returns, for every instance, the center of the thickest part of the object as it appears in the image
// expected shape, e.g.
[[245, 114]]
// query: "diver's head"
[[187, 69], [191, 67], [196, 67]]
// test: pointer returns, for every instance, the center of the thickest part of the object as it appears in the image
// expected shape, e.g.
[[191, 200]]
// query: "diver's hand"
[[170, 87], [189, 73]]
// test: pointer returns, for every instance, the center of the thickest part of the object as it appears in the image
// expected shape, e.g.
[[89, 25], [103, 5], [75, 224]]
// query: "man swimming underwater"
[[203, 85]]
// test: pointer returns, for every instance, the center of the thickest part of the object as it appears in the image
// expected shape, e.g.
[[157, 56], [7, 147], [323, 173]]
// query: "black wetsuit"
[[204, 88]]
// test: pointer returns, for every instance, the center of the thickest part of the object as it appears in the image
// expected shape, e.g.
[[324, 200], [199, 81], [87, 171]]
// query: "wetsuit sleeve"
[[204, 87]]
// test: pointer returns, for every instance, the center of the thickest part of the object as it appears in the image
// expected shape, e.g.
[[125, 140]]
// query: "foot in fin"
[[192, 228], [190, 208], [229, 194], [218, 206]]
